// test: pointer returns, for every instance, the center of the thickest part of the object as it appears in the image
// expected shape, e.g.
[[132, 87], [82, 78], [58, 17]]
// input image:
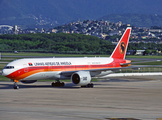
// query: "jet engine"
[[81, 78], [28, 81]]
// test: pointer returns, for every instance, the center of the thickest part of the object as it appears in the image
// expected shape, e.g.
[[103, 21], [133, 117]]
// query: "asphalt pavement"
[[120, 97]]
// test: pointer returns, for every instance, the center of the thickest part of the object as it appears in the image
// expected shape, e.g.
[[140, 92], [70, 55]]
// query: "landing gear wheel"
[[58, 84], [53, 84], [90, 85], [62, 84], [15, 86]]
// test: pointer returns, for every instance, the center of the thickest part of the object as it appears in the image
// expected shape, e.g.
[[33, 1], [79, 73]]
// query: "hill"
[[140, 20], [53, 12]]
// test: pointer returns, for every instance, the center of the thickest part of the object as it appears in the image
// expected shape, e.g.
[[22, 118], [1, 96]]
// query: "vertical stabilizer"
[[121, 48]]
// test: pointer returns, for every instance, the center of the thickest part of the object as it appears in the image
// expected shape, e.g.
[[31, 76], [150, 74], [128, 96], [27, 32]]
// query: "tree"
[[146, 52]]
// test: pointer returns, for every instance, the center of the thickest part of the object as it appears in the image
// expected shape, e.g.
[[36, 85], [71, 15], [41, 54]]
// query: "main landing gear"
[[90, 85], [15, 84], [58, 84]]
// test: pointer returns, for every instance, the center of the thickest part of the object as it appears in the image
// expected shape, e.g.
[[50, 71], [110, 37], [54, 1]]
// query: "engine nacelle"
[[81, 78], [28, 81]]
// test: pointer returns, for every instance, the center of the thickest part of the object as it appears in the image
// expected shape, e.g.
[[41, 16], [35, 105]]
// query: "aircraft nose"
[[4, 73]]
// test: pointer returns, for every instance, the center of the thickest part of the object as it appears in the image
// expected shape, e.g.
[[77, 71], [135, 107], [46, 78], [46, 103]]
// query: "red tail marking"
[[121, 48]]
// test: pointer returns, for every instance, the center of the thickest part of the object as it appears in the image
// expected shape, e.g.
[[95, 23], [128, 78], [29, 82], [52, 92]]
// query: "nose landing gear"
[[15, 84]]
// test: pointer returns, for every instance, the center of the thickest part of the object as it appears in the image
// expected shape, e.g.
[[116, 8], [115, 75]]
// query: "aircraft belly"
[[43, 75]]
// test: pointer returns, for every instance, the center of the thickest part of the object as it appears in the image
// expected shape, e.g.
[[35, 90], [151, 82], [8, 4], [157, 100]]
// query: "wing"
[[69, 73]]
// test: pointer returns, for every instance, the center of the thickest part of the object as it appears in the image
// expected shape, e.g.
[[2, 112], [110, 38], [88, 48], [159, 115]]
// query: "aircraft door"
[[89, 65], [25, 67]]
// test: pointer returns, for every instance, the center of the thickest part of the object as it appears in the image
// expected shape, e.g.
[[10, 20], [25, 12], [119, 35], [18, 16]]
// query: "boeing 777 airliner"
[[79, 70]]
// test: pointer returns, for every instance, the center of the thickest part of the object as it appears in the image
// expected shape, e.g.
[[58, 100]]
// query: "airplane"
[[79, 70]]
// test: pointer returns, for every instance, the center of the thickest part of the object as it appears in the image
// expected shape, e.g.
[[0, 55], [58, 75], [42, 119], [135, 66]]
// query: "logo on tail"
[[121, 48]]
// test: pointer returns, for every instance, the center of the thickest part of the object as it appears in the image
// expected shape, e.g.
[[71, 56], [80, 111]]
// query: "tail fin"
[[121, 48]]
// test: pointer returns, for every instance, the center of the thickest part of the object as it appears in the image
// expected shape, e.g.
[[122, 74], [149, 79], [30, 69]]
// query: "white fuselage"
[[50, 68]]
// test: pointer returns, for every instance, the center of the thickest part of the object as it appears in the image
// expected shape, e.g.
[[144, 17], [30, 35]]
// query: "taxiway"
[[123, 97]]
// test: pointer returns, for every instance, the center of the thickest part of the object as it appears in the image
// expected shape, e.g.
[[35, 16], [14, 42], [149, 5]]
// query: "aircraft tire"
[[58, 84], [16, 87], [62, 84], [53, 84], [91, 85]]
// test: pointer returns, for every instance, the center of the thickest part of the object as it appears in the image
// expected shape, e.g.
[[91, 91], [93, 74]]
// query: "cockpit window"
[[9, 67]]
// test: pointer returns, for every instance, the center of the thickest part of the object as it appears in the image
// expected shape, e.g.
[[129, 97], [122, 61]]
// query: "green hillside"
[[56, 43]]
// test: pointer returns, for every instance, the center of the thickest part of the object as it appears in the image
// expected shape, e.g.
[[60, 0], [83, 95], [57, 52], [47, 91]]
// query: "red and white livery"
[[79, 70]]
